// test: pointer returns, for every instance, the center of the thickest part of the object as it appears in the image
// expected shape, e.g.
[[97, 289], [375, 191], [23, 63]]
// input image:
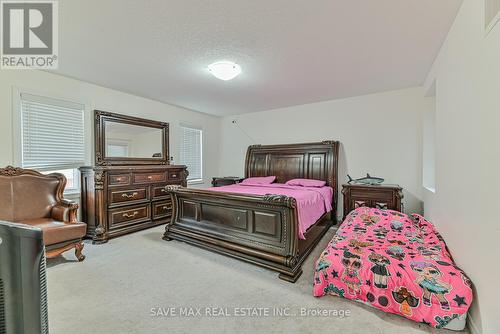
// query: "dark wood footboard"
[[259, 229]]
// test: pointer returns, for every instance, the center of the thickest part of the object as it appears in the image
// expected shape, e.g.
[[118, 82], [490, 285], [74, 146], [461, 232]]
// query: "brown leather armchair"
[[32, 198]]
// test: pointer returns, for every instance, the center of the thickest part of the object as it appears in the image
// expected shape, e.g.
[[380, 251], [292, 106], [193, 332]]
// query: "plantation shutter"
[[191, 152], [52, 133]]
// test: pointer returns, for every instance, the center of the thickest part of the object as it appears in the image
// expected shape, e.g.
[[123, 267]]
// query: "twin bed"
[[397, 263], [384, 258]]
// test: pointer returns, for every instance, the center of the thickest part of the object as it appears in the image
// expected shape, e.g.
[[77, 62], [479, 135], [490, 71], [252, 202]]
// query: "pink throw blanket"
[[394, 262], [312, 202]]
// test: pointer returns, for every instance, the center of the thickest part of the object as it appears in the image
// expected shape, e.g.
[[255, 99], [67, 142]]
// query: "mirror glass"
[[132, 141]]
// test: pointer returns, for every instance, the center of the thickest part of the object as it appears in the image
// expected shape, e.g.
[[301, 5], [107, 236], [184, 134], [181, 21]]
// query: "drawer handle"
[[126, 215], [162, 190], [174, 175], [119, 179], [150, 177], [130, 195], [166, 207]]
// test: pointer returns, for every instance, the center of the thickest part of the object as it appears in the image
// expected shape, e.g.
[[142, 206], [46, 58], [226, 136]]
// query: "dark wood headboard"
[[291, 161]]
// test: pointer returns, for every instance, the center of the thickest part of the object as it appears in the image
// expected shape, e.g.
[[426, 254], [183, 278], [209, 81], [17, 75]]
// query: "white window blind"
[[492, 13], [191, 152], [52, 133]]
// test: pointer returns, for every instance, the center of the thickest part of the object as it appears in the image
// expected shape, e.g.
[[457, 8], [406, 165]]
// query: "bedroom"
[[409, 92]]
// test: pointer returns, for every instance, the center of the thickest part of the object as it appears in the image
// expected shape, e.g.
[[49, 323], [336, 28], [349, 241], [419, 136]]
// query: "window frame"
[[201, 180], [17, 145], [117, 142], [76, 179]]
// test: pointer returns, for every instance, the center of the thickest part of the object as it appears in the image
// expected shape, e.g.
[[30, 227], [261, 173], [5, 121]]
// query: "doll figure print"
[[350, 276], [379, 269], [428, 280]]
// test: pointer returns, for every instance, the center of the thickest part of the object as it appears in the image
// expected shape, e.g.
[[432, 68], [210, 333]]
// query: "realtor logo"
[[29, 34]]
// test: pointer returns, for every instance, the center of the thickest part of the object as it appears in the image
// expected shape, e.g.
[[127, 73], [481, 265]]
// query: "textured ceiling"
[[291, 51]]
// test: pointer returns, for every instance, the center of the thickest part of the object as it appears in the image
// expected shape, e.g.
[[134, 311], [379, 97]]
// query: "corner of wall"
[[471, 324]]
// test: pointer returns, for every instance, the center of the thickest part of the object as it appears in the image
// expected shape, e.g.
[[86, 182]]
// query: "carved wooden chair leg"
[[78, 251]]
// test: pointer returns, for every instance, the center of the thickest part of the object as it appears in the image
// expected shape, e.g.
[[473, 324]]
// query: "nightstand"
[[226, 181], [374, 196]]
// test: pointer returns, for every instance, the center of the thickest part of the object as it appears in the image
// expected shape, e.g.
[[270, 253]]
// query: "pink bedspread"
[[312, 202], [394, 262]]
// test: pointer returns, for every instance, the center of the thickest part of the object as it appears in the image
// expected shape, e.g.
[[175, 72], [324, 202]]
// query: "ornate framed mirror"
[[127, 140]]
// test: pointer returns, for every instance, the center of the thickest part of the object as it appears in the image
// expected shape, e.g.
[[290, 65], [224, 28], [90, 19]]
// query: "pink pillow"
[[259, 180], [306, 183]]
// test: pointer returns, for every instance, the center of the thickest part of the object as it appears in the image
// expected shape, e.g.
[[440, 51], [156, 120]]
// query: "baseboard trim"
[[472, 325]]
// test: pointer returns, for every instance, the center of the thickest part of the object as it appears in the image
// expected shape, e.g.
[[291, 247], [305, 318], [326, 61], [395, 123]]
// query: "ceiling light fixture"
[[224, 70]]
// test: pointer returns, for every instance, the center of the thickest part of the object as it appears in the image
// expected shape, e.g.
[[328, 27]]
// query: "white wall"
[[97, 97], [465, 205], [429, 146], [380, 134]]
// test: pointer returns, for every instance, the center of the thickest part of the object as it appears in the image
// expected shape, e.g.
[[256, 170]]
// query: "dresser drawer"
[[149, 177], [130, 215], [162, 209], [129, 195], [174, 175], [373, 194], [359, 203], [384, 205], [159, 191], [377, 204], [119, 179]]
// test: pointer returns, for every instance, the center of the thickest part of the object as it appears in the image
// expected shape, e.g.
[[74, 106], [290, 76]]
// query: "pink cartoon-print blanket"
[[394, 262]]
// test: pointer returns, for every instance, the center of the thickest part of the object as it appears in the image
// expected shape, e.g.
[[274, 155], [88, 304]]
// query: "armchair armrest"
[[65, 211]]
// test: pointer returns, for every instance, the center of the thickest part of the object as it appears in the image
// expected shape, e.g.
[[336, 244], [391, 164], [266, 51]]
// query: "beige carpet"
[[115, 288]]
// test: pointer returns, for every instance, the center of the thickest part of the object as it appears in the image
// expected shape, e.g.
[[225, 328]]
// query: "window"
[[117, 148], [191, 152], [72, 178], [52, 136]]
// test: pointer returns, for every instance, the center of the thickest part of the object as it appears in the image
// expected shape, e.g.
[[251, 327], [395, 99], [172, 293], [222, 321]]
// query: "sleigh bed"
[[260, 229]]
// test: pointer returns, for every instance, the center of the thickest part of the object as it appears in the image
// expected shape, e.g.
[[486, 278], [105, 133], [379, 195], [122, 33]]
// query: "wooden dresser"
[[373, 196], [121, 199], [125, 190]]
